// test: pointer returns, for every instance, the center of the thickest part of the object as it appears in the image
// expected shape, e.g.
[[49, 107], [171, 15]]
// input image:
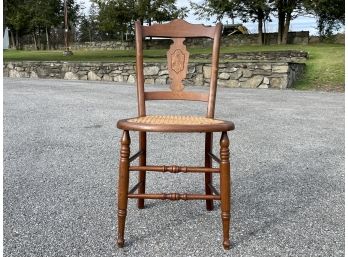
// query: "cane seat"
[[175, 123]]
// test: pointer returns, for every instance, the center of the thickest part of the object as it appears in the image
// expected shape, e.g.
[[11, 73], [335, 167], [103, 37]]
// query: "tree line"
[[41, 21], [114, 19], [38, 21], [330, 14]]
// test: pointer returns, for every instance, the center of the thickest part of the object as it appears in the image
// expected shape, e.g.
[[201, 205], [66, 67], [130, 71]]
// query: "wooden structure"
[[178, 57]]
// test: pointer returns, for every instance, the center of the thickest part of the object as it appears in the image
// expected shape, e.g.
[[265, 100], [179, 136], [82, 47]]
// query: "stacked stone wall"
[[279, 75]]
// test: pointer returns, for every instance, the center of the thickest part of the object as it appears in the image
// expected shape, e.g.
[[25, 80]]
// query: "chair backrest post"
[[140, 68], [214, 71]]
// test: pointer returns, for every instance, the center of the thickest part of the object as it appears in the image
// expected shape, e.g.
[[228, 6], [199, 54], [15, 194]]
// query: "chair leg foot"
[[121, 227], [120, 243], [225, 216], [227, 244]]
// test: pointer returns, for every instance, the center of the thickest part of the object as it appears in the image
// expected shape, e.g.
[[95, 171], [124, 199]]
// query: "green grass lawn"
[[324, 68]]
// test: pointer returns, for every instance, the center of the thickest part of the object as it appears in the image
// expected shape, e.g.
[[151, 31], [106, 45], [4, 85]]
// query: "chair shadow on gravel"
[[176, 219], [278, 197]]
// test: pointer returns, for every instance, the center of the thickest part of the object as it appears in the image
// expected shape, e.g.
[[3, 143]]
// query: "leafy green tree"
[[4, 16], [158, 10], [116, 17], [16, 18], [285, 10], [256, 11], [89, 26], [220, 8], [253, 10], [84, 29], [73, 11], [330, 15], [36, 18], [43, 15]]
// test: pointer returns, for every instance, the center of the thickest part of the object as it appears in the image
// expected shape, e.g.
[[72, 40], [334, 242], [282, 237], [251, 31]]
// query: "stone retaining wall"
[[231, 74]]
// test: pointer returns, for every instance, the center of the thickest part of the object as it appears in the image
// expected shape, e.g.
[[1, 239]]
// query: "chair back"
[[177, 62]]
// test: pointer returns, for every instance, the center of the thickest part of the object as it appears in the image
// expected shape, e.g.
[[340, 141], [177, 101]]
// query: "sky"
[[299, 24]]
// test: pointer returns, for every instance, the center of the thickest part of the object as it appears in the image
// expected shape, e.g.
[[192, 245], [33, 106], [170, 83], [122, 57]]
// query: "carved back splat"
[[177, 57]]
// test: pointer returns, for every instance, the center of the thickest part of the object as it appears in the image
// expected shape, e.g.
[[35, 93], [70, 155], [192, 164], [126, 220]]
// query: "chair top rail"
[[178, 29]]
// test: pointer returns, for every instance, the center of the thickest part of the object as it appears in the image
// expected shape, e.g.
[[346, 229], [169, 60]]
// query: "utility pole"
[[66, 52]]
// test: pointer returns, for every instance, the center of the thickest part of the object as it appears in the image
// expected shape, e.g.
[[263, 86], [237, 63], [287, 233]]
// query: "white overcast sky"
[[298, 24]]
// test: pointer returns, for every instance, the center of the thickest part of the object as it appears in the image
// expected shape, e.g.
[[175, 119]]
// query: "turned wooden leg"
[[142, 162], [208, 164], [225, 188], [123, 182]]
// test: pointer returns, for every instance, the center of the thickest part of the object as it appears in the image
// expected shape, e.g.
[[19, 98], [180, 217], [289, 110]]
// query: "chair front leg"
[[142, 162], [123, 183], [225, 188], [208, 164]]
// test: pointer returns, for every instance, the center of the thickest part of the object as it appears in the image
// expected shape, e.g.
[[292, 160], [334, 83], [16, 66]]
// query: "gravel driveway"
[[60, 174]]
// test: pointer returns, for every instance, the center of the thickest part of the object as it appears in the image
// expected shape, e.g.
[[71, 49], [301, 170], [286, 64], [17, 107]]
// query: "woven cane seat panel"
[[180, 120], [174, 123]]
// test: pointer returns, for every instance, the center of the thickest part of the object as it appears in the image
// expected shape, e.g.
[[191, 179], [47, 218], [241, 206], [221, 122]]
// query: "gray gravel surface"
[[60, 174]]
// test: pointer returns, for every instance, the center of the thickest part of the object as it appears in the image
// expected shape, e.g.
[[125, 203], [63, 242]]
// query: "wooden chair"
[[177, 56]]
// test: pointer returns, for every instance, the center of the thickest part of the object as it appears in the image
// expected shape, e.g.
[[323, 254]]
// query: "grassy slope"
[[324, 69]]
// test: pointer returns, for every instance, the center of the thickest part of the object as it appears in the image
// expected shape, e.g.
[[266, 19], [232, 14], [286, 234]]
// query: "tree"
[[36, 18], [330, 15], [88, 25], [221, 9], [4, 17], [16, 17], [158, 10], [286, 10], [43, 15], [254, 10], [84, 29], [116, 17], [73, 11]]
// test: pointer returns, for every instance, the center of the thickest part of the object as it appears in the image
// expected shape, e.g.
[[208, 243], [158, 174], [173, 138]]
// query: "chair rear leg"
[[225, 188], [208, 164], [123, 183], [142, 162]]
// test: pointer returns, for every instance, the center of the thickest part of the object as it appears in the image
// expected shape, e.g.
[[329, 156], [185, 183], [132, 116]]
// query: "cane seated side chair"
[[177, 55]]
